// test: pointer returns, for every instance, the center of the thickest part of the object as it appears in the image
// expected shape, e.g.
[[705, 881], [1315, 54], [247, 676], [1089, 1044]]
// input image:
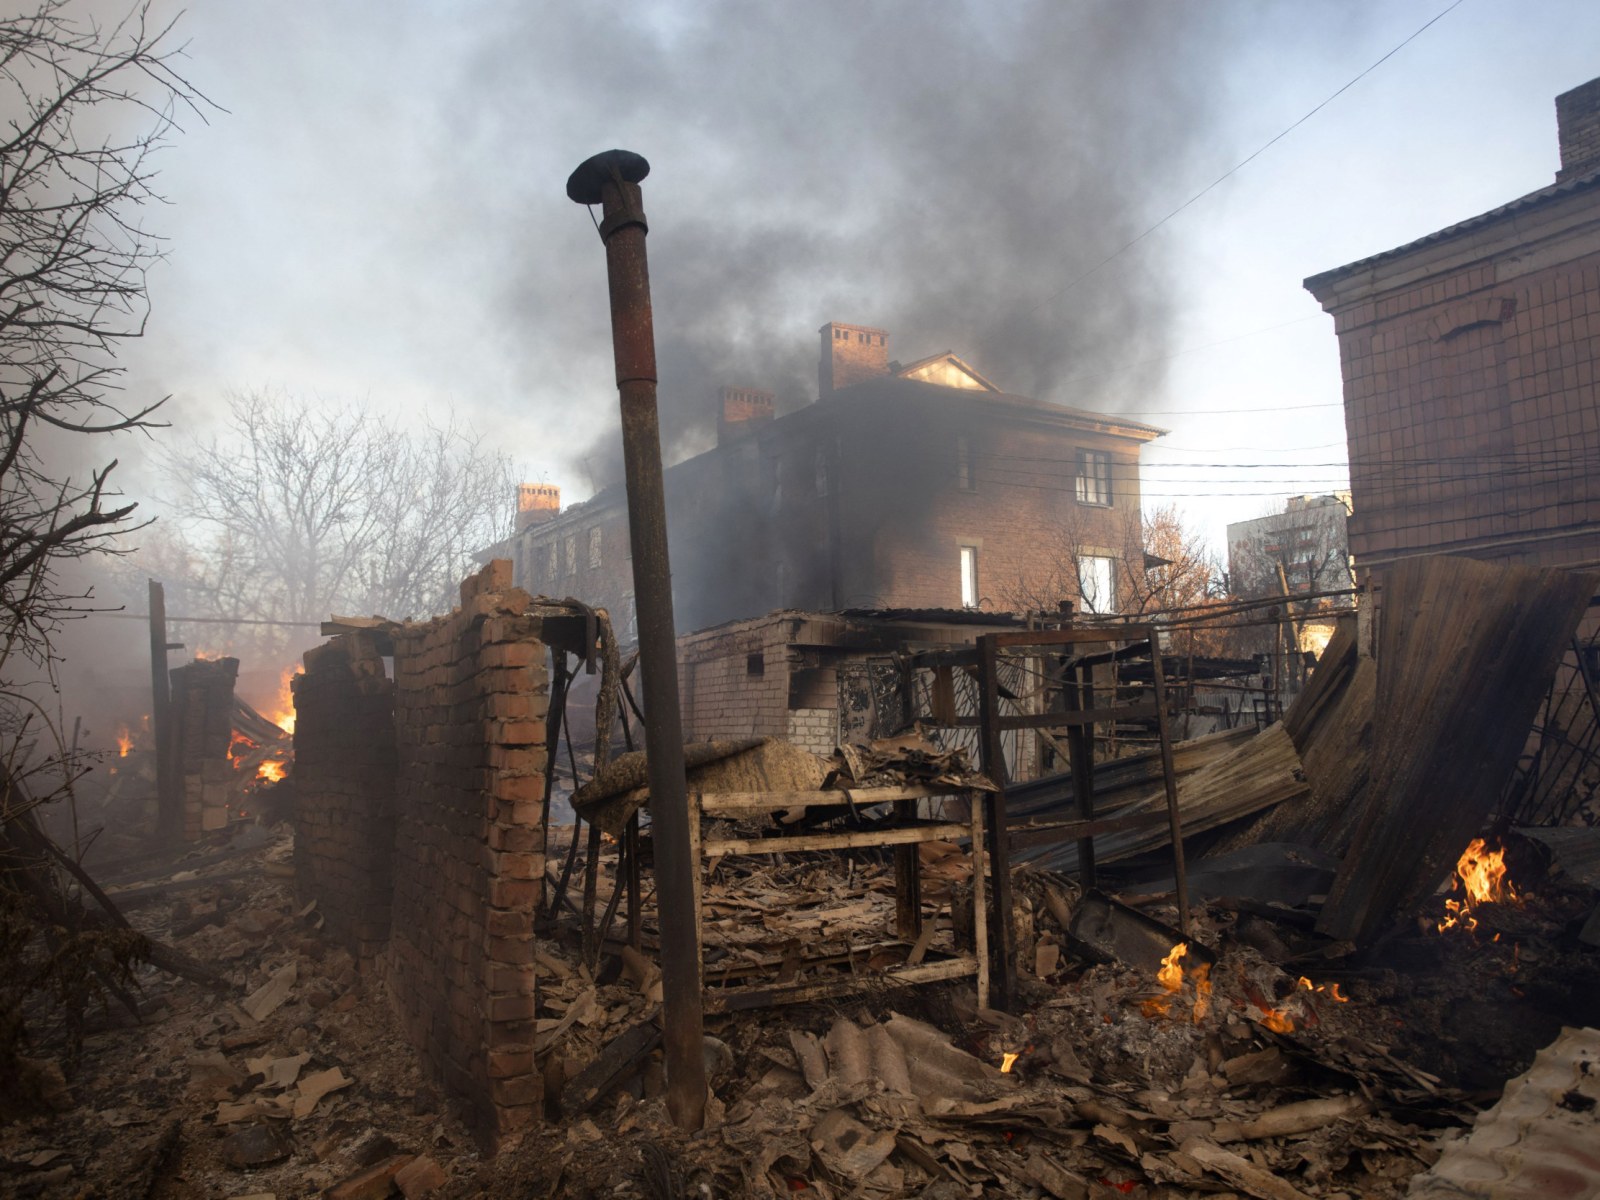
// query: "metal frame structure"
[[1071, 705]]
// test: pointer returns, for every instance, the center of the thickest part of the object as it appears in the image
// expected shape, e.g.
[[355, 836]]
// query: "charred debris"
[[489, 924], [1296, 959]]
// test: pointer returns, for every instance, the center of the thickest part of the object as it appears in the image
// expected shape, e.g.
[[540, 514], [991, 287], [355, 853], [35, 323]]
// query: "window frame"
[[1094, 468], [1110, 582], [967, 568]]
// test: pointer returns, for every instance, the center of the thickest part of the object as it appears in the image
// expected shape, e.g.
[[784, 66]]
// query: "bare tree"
[[307, 507], [73, 257], [84, 108], [1129, 566]]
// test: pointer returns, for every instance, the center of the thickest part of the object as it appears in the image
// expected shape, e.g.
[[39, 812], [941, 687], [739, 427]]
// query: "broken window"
[[1097, 583], [1094, 477], [594, 547], [572, 555], [755, 664], [965, 479], [969, 577]]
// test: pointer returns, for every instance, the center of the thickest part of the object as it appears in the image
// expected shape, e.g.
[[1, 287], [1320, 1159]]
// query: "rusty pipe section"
[[612, 180]]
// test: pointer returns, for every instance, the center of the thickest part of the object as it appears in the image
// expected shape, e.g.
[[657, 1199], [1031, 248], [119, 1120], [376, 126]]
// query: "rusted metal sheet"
[[1466, 651]]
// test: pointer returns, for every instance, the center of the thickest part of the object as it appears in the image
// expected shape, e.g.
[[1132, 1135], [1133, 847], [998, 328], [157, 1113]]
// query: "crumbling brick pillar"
[[471, 695], [344, 790], [202, 728]]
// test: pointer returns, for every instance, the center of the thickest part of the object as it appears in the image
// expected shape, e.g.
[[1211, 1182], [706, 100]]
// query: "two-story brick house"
[[903, 486]]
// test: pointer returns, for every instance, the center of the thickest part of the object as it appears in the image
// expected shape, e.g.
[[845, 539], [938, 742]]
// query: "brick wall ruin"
[[471, 693], [418, 828], [202, 727], [344, 799]]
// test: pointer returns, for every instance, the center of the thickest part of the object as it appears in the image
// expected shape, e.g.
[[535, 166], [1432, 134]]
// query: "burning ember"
[[1007, 1061], [124, 741], [1481, 874], [271, 770], [1330, 990], [1276, 1019], [239, 747]]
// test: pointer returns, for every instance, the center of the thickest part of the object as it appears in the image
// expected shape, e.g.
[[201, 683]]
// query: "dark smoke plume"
[[938, 169]]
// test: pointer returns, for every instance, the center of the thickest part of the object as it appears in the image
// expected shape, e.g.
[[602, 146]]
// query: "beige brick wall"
[[1471, 411]]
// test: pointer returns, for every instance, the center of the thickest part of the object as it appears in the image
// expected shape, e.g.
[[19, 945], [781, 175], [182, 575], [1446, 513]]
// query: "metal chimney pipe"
[[612, 180]]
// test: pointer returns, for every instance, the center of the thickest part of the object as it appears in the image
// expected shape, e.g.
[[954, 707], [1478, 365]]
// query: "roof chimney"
[[851, 354], [1578, 127], [536, 503], [742, 410]]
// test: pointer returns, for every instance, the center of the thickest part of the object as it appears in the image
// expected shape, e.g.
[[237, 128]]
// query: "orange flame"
[[271, 770], [1481, 874], [283, 712], [1276, 1019], [240, 745], [1007, 1061], [1170, 977], [1330, 990], [124, 741]]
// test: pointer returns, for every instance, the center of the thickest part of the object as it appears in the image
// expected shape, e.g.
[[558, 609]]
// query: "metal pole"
[[1169, 781], [612, 180], [992, 758], [169, 806]]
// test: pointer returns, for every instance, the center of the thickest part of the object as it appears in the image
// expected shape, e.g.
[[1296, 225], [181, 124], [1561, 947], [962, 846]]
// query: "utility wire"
[[1231, 171], [122, 616]]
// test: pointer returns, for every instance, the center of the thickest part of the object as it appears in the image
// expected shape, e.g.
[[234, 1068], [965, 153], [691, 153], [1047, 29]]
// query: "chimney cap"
[[583, 185]]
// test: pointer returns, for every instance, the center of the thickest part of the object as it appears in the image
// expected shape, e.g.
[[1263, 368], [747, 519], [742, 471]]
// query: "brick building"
[[1308, 539], [1469, 360], [903, 486], [815, 679]]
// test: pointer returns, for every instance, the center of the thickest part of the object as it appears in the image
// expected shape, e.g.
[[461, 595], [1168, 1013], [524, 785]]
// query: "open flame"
[[239, 747], [1276, 1019], [1330, 990], [271, 770], [1171, 977], [1007, 1061], [1481, 875], [282, 714], [124, 741]]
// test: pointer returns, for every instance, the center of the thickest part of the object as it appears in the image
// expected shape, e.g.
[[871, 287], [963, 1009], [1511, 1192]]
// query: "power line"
[[171, 620], [1231, 171]]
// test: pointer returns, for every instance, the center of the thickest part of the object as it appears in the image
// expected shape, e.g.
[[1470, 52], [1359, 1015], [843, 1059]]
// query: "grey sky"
[[380, 211]]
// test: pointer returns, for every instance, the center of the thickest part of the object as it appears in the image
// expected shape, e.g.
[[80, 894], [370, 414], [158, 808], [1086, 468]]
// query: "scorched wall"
[[419, 821], [344, 790], [471, 691]]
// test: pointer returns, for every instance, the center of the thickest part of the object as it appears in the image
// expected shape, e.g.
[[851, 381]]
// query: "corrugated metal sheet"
[[1541, 1141]]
